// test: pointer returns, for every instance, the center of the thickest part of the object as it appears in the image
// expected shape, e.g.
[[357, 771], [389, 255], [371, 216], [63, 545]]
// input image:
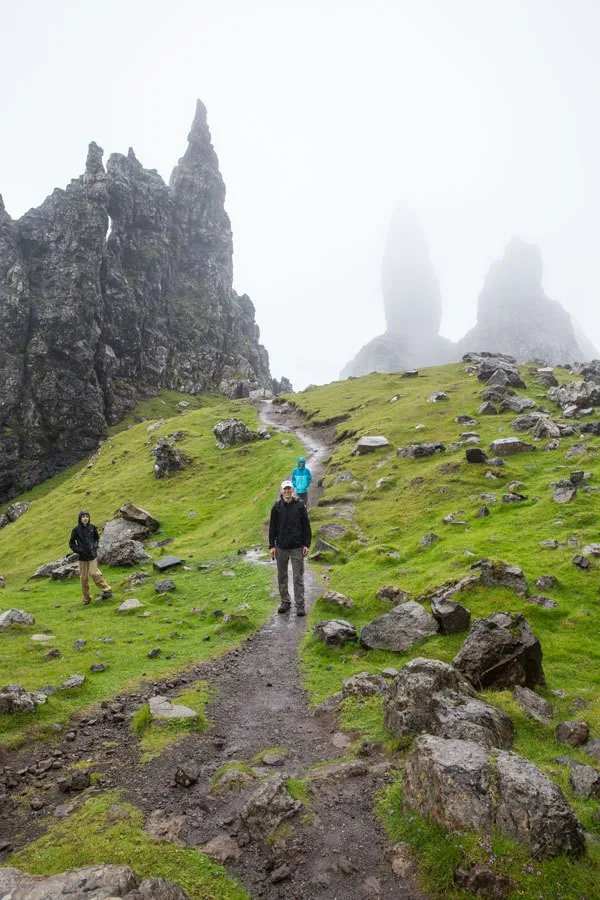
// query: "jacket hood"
[[301, 460], [84, 512]]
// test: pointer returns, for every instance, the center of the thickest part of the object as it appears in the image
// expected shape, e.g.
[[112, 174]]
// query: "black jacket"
[[289, 527], [84, 541]]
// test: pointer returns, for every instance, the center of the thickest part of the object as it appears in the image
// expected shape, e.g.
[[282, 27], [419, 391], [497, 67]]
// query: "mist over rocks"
[[112, 289], [515, 316], [412, 303]]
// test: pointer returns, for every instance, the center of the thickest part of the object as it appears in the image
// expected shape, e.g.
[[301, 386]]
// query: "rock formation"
[[112, 289], [515, 316], [413, 307]]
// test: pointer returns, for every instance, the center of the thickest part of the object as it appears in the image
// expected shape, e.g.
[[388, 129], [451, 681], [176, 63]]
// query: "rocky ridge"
[[112, 289]]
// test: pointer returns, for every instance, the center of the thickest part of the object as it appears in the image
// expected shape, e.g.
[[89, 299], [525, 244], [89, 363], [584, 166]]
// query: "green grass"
[[212, 509], [107, 830], [382, 547], [298, 789], [158, 734]]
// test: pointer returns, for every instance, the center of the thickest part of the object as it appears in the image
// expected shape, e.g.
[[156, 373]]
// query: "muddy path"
[[333, 848]]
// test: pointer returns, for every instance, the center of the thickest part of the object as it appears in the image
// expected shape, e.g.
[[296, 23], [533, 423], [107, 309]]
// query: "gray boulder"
[[495, 573], [572, 733], [15, 699], [463, 786], [401, 628], [161, 708], [15, 617], [517, 404], [475, 455], [338, 599], [584, 781], [231, 432], [365, 684], [501, 651], [509, 446], [452, 617], [419, 451], [60, 569], [14, 512], [121, 552], [268, 807], [167, 459], [141, 516], [369, 443], [335, 632], [533, 705], [430, 696], [92, 882]]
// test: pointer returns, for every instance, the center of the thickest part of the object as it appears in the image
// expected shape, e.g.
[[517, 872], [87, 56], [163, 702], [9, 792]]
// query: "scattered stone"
[[544, 602], [431, 696], [487, 409], [463, 786], [584, 781], [501, 651], [73, 681], [475, 455], [333, 532], [281, 873], [482, 881], [168, 459], [60, 569], [221, 849], [452, 617], [14, 512], [369, 443], [428, 539], [42, 638], [98, 667], [437, 397], [334, 632], [482, 513], [15, 617], [101, 881], [564, 494], [365, 684], [80, 780], [549, 544], [79, 644], [393, 594], [322, 546], [163, 587], [52, 654], [130, 605], [592, 748], [513, 498], [533, 705], [163, 827], [572, 733], [419, 451], [186, 774], [331, 771], [495, 573], [509, 446], [338, 599], [268, 807], [155, 653], [544, 582], [581, 562], [167, 562], [401, 628]]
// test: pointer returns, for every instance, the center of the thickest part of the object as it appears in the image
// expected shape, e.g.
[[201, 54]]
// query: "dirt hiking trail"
[[333, 849]]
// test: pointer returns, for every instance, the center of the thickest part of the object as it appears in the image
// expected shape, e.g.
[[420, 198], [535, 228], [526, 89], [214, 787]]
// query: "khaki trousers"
[[297, 559], [89, 568]]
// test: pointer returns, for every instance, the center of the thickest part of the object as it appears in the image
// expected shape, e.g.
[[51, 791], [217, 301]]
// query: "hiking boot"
[[284, 606], [300, 611], [106, 595], [86, 602]]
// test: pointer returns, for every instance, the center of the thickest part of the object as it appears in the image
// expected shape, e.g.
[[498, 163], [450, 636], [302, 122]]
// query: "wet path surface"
[[334, 848]]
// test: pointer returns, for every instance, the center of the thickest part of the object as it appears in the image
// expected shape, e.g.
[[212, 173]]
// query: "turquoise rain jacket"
[[301, 477]]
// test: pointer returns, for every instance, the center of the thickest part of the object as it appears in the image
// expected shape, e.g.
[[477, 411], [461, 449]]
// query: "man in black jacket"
[[84, 542], [289, 540]]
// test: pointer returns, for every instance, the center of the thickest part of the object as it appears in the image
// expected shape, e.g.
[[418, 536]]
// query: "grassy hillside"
[[381, 546], [215, 507]]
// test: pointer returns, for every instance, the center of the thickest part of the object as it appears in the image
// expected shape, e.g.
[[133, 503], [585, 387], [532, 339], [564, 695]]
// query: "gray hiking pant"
[[297, 558]]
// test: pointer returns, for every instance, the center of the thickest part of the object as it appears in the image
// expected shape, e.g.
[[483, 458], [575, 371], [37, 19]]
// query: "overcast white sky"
[[482, 113]]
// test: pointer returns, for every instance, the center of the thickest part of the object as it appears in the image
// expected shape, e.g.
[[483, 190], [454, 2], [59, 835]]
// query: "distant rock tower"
[[515, 316], [413, 306]]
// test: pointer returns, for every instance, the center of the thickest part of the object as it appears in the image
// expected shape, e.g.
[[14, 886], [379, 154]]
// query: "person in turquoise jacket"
[[301, 479]]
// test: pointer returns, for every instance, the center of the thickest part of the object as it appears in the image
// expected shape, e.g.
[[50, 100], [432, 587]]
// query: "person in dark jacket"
[[289, 540], [84, 542]]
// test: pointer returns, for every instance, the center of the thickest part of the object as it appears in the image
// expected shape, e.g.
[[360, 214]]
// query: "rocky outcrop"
[[413, 307], [515, 316], [113, 288], [93, 882]]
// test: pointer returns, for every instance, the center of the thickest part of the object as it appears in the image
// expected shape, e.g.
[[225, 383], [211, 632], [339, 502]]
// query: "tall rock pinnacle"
[[412, 303], [515, 316], [112, 289]]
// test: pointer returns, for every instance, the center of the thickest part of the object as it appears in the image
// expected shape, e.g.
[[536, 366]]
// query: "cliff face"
[[111, 289], [515, 316], [412, 303]]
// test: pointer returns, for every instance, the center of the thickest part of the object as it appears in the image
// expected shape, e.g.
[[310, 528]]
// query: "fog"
[[480, 114]]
